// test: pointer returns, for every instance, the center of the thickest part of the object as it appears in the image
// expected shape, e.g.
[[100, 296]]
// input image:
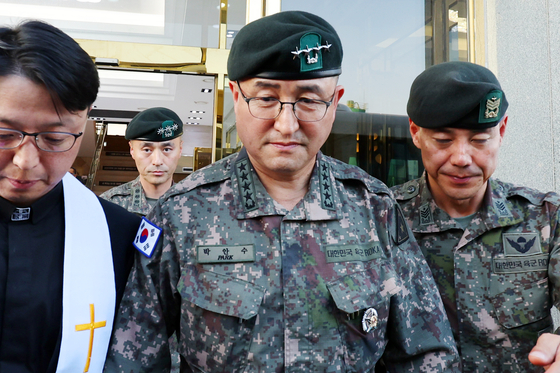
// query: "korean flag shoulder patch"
[[147, 237]]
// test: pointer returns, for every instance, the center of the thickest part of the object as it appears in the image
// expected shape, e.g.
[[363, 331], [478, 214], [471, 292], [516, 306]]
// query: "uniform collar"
[[496, 211], [38, 210], [319, 203]]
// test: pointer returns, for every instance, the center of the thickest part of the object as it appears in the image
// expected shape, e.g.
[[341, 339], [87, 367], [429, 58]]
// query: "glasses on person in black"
[[48, 141]]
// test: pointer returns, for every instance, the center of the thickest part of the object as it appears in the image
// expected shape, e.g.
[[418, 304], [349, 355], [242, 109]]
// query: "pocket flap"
[[358, 291], [222, 294]]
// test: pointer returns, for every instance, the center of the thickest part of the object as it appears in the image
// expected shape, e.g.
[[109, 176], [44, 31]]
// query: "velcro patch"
[[517, 265], [351, 253], [147, 237], [426, 217], [521, 244], [501, 208], [402, 228], [225, 254]]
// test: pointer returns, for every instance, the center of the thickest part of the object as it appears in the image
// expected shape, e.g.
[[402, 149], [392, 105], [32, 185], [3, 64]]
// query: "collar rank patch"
[[246, 185], [490, 107], [147, 237], [521, 244], [327, 201], [312, 58], [426, 217], [501, 208], [167, 129], [21, 214]]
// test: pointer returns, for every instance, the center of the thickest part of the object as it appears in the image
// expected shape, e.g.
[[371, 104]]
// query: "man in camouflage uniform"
[[155, 145], [281, 259], [492, 246]]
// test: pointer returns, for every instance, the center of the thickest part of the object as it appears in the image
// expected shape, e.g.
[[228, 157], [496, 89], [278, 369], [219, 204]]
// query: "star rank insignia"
[[167, 129], [246, 186], [327, 200], [310, 52]]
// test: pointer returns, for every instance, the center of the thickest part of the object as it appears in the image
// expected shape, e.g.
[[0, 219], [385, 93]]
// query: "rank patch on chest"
[[220, 254], [147, 237], [521, 244]]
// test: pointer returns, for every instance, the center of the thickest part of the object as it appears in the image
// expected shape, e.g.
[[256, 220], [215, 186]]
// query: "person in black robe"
[[47, 86]]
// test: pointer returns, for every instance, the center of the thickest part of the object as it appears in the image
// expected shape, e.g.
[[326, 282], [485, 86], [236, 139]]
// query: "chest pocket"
[[353, 295], [521, 299], [219, 312]]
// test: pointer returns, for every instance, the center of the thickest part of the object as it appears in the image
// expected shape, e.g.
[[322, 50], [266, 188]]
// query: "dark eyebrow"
[[47, 126], [263, 84], [314, 88]]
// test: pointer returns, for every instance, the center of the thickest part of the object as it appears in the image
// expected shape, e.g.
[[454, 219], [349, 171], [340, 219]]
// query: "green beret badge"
[[490, 107], [313, 55], [167, 129]]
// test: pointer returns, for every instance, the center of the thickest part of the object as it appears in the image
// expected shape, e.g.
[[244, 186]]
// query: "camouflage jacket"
[[131, 196], [251, 287], [502, 281]]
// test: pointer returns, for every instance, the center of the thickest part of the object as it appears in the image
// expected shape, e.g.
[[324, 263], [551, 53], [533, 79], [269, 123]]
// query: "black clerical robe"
[[31, 273]]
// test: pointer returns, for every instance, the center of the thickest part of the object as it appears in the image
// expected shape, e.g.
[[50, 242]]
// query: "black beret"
[[155, 124], [291, 45], [458, 95]]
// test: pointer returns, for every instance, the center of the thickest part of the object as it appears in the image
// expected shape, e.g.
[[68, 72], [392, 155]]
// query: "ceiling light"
[[193, 123], [206, 90], [201, 102], [197, 112], [195, 118]]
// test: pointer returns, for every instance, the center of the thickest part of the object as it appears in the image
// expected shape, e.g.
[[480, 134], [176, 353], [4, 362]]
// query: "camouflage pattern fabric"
[[130, 196], [251, 287], [502, 281]]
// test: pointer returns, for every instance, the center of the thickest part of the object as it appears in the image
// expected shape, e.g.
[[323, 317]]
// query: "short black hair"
[[45, 55]]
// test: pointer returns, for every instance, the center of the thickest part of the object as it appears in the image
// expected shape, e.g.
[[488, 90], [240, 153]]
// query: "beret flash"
[[155, 124], [458, 95], [291, 45]]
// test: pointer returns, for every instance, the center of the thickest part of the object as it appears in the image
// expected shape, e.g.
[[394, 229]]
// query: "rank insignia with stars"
[[310, 52], [167, 129], [246, 186], [327, 200]]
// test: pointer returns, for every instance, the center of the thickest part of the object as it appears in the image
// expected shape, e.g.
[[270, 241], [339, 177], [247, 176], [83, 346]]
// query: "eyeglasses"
[[46, 141], [305, 109]]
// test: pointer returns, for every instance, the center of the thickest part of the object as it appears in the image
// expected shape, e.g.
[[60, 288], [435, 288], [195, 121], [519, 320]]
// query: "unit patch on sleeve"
[[147, 237]]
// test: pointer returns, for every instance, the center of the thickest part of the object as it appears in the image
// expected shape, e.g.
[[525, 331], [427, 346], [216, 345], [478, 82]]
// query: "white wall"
[[523, 45]]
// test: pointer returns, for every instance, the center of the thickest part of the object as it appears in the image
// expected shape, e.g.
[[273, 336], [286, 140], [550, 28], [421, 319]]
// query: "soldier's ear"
[[131, 149], [414, 129], [503, 125]]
